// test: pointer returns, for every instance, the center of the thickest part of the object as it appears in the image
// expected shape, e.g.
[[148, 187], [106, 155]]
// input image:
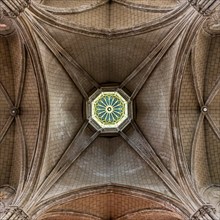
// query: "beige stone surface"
[[165, 55]]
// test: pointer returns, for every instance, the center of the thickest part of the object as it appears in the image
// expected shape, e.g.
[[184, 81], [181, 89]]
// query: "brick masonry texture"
[[4, 110], [200, 57], [153, 103], [112, 60], [189, 112], [113, 16], [213, 150], [109, 53], [115, 163], [214, 110], [6, 153], [109, 205], [30, 110], [212, 72], [15, 48], [65, 116], [211, 78], [16, 159], [167, 3], [6, 79], [75, 4], [63, 3], [201, 165]]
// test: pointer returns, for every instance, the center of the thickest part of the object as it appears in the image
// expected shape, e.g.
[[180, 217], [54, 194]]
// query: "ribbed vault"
[[113, 203], [202, 83], [164, 55]]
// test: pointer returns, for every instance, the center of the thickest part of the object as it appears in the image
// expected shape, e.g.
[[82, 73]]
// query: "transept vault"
[[109, 109]]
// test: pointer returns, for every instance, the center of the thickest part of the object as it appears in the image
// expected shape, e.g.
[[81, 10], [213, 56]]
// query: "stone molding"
[[212, 196], [6, 197], [204, 7], [14, 213], [206, 212], [13, 8]]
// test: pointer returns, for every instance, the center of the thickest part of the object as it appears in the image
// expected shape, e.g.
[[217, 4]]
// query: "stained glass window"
[[109, 109]]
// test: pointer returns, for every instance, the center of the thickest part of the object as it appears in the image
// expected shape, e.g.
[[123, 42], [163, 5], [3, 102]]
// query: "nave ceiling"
[[164, 55]]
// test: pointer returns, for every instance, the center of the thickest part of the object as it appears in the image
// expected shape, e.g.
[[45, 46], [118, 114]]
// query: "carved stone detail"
[[14, 111], [212, 196], [13, 8], [204, 7], [212, 24], [6, 196], [206, 212], [14, 213]]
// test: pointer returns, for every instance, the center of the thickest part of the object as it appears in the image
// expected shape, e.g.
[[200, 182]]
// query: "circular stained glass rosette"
[[109, 109]]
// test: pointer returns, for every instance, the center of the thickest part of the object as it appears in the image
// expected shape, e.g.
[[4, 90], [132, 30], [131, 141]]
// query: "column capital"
[[14, 212], [206, 212], [204, 7], [13, 8]]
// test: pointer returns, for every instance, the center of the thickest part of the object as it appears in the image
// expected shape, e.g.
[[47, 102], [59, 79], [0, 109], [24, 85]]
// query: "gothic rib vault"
[[162, 56]]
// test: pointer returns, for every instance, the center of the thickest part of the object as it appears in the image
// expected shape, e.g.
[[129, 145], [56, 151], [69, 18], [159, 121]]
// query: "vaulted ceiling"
[[164, 54]]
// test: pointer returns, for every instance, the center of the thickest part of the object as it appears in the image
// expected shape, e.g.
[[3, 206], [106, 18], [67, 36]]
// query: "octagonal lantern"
[[109, 110]]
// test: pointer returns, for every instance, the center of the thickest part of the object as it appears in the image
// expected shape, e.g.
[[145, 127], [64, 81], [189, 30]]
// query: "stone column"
[[211, 212], [14, 213], [206, 212]]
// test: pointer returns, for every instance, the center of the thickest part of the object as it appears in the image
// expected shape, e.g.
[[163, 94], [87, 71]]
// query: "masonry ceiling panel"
[[161, 61]]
